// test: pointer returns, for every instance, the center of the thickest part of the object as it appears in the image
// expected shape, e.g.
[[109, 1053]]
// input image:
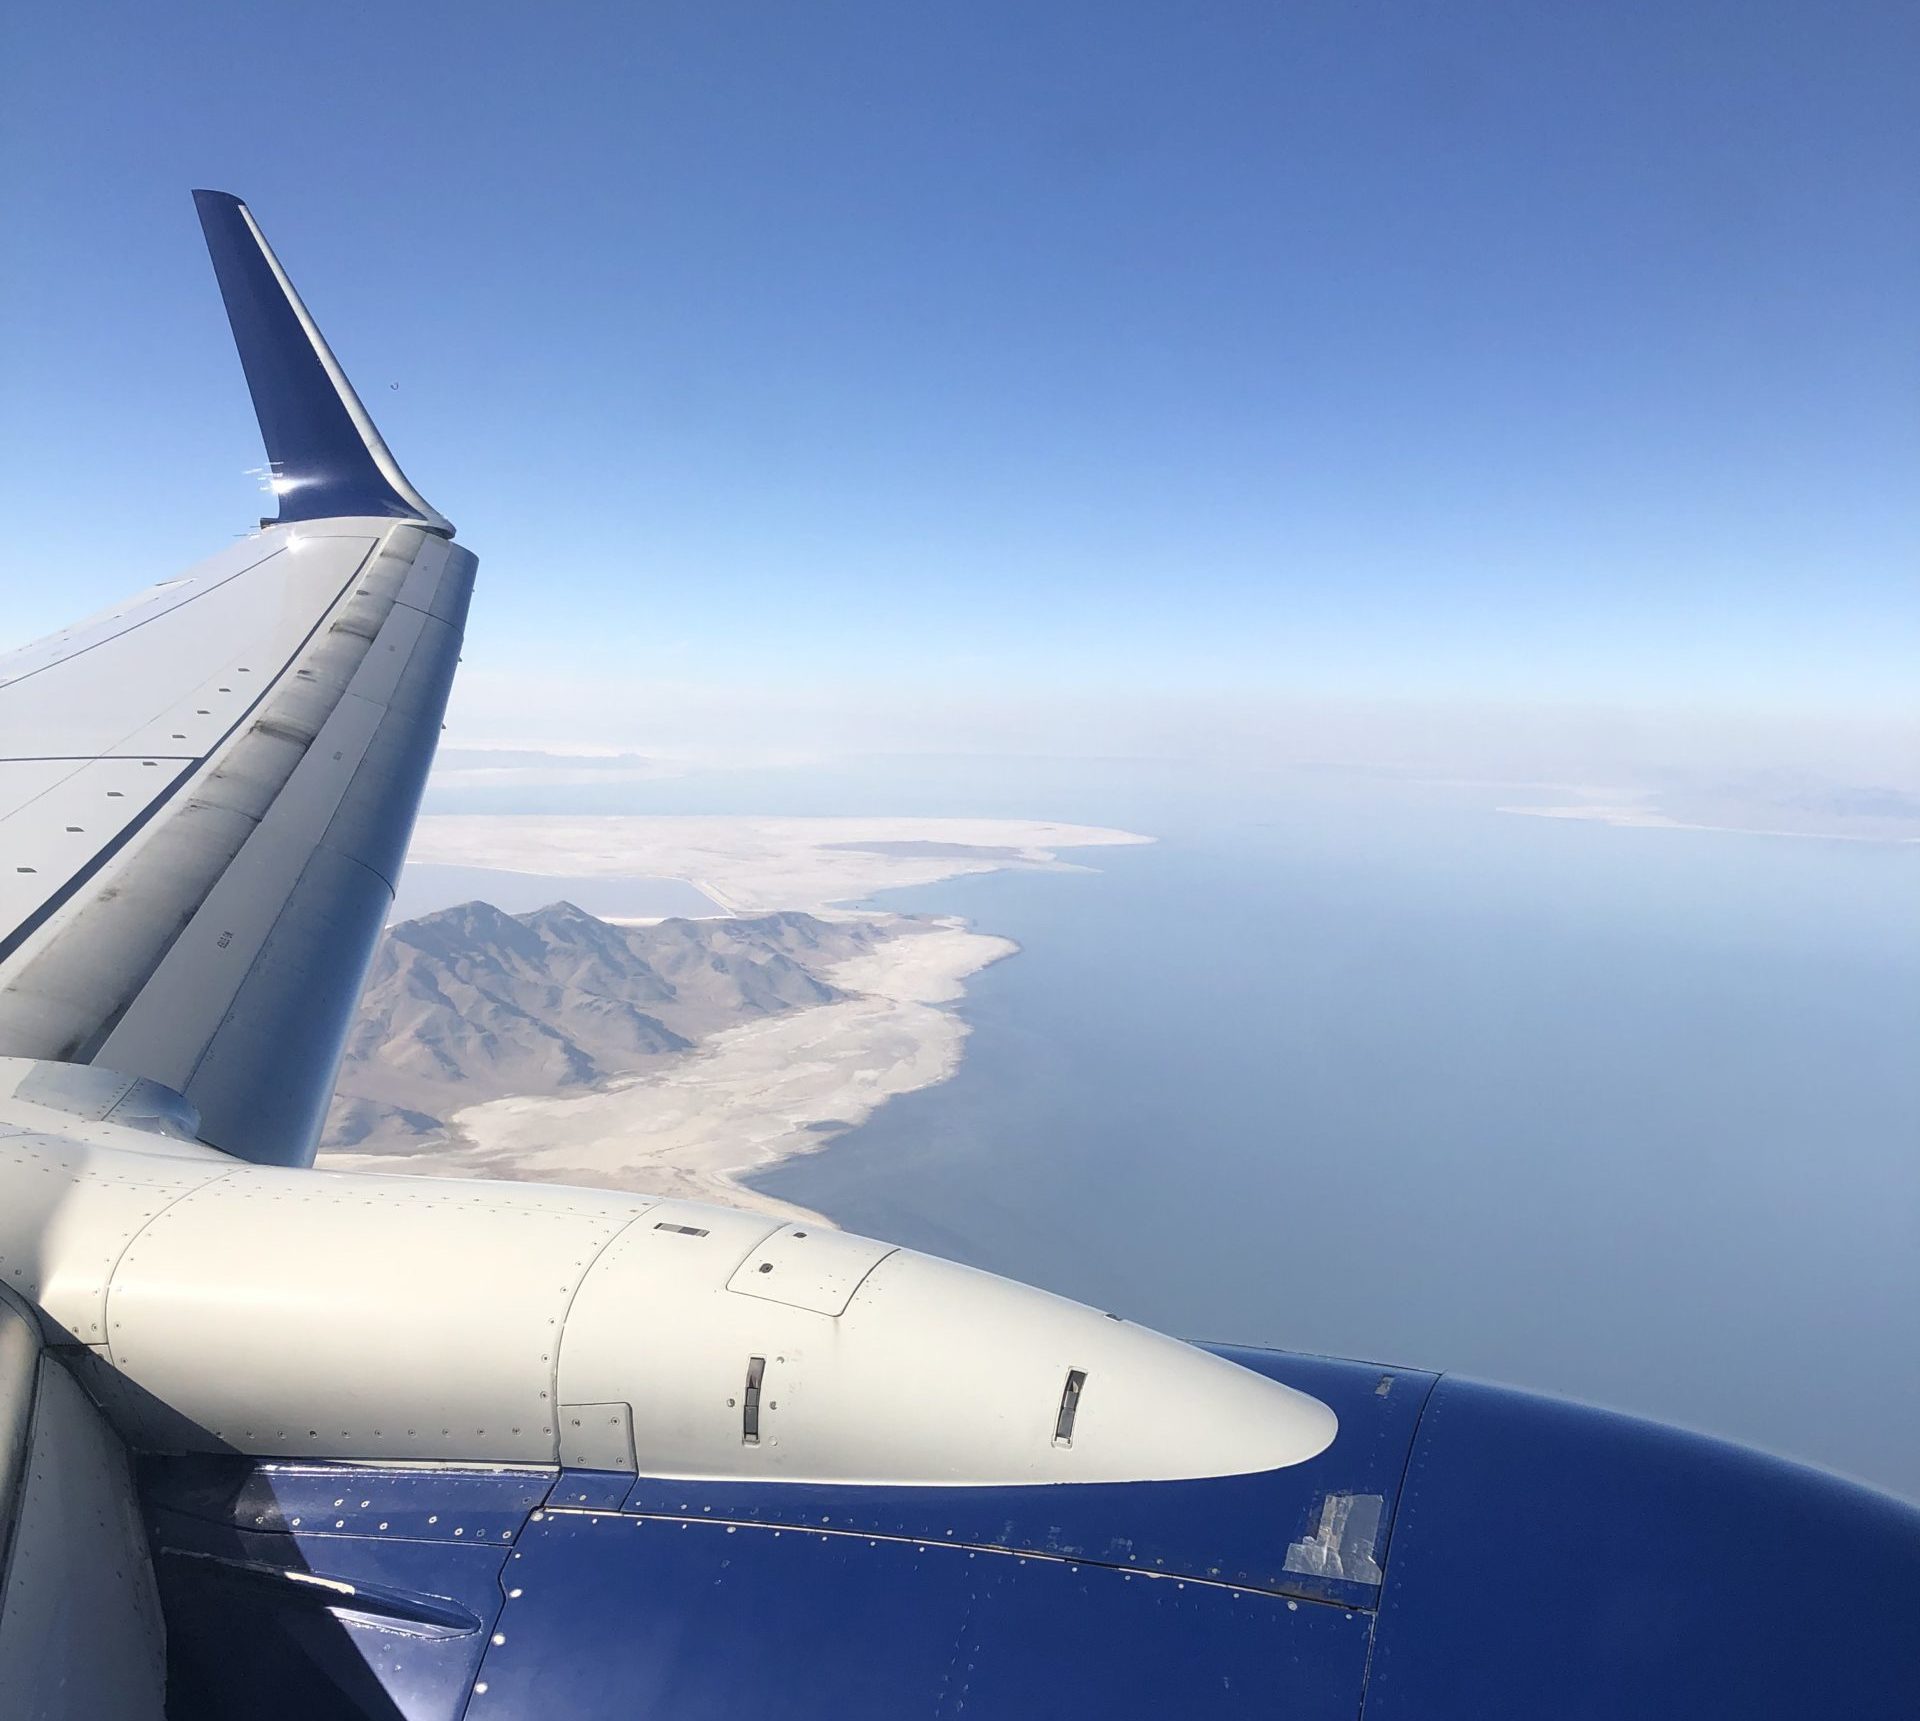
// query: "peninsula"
[[668, 1056]]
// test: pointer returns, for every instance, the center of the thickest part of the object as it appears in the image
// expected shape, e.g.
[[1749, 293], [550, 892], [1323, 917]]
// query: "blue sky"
[[990, 358]]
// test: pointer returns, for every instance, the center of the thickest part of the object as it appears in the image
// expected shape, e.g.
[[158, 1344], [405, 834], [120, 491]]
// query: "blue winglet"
[[325, 456]]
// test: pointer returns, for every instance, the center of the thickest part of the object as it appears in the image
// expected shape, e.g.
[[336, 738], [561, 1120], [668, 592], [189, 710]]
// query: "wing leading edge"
[[206, 792]]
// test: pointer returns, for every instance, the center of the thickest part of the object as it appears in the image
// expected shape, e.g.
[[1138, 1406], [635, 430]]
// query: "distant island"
[[1756, 803], [670, 1056]]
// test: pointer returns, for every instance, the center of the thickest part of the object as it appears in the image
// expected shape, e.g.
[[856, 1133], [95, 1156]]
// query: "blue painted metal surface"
[[598, 1490], [1229, 1529], [615, 1616], [317, 1591], [1554, 1560], [312, 440], [1540, 1559], [436, 1503]]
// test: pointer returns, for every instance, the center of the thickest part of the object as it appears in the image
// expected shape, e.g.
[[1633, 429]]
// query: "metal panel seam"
[[560, 1338], [1183, 1579], [1401, 1504], [325, 839], [171, 609], [113, 1272], [354, 860], [872, 1268], [65, 894], [89, 870]]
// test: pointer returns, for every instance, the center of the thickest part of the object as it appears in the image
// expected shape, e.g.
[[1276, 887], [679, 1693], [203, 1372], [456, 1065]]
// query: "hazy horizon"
[[1093, 380]]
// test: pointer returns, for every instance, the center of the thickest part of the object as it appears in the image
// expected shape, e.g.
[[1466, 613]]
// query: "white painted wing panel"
[[225, 626], [59, 814], [24, 780], [205, 796]]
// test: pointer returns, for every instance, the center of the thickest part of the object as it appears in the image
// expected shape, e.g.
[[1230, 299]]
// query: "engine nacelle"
[[282, 1312]]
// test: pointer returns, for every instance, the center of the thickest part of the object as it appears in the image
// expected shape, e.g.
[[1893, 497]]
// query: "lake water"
[[1628, 1115], [426, 886]]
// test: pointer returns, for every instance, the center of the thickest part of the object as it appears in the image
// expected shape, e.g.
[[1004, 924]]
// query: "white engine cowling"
[[305, 1313]]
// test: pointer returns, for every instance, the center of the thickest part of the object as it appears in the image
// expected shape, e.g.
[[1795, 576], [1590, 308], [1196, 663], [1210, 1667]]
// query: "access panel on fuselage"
[[611, 1615]]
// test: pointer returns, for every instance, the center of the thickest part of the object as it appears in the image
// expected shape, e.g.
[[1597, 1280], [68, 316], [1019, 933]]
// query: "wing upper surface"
[[206, 790]]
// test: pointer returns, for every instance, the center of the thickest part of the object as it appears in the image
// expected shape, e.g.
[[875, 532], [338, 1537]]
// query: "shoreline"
[[745, 1099], [756, 1095], [1646, 817], [752, 865]]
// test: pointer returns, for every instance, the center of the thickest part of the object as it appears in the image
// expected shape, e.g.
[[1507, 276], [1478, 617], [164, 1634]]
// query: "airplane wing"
[[336, 1446], [206, 791]]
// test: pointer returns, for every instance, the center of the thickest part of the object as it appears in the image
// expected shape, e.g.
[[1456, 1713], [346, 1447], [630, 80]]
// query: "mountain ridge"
[[471, 1003]]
